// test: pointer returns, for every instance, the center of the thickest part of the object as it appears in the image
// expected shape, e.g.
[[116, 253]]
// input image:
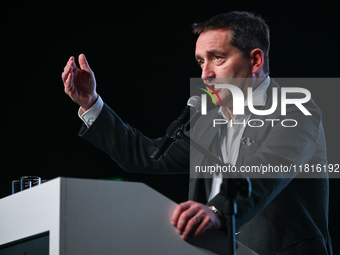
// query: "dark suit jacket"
[[283, 215]]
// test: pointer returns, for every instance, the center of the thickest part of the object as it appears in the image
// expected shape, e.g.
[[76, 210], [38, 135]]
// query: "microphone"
[[177, 126]]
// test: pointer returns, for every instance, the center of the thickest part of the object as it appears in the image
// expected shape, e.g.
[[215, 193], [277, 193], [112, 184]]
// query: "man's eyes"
[[200, 62], [215, 58]]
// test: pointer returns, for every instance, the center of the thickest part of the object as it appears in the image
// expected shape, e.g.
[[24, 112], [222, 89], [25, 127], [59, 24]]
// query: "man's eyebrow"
[[217, 52], [212, 52]]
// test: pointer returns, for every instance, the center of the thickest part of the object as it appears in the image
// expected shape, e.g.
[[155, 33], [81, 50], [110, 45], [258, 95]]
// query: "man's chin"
[[216, 101]]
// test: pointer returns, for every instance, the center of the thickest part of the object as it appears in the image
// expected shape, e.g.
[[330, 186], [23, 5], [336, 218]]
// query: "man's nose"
[[207, 71]]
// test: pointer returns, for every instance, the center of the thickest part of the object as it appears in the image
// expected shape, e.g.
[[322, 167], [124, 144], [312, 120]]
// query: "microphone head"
[[195, 103]]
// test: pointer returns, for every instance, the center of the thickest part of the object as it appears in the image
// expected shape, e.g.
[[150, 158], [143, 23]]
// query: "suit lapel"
[[256, 133], [204, 134]]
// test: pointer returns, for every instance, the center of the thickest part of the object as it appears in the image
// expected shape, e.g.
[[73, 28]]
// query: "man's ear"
[[257, 60]]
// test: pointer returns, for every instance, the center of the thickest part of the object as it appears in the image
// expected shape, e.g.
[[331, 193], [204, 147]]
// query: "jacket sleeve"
[[130, 148]]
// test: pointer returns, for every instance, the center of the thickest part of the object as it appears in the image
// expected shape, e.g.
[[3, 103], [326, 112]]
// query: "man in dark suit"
[[283, 215]]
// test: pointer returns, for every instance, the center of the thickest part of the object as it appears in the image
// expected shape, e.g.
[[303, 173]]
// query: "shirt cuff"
[[91, 114]]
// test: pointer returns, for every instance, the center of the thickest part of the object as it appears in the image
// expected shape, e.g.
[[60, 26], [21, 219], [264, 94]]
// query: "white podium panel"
[[83, 216]]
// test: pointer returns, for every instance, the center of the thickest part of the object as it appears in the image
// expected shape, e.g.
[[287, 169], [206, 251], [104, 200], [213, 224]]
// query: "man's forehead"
[[209, 40], [219, 35]]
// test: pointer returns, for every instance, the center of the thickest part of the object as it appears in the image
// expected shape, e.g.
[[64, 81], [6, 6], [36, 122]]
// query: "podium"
[[79, 216]]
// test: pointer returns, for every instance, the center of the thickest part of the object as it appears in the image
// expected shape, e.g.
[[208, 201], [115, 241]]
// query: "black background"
[[142, 54]]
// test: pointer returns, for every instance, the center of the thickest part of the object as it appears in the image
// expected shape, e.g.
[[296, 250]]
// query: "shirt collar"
[[259, 96]]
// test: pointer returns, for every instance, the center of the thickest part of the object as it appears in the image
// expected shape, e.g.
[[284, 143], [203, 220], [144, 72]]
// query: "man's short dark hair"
[[249, 31]]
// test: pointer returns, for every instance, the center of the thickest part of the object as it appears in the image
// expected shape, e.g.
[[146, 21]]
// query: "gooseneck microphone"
[[177, 126]]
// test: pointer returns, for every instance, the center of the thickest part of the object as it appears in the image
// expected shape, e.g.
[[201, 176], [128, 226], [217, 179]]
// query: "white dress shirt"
[[91, 114], [231, 134]]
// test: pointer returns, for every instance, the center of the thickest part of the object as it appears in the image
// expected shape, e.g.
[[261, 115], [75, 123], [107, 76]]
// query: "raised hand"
[[80, 84]]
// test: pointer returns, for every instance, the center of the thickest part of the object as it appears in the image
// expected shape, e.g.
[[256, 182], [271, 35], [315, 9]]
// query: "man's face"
[[219, 59]]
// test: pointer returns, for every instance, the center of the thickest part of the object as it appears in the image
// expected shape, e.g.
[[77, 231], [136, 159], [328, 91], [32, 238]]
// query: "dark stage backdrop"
[[142, 54]]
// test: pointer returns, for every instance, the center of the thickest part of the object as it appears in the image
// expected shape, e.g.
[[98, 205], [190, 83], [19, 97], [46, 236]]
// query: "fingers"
[[193, 219], [203, 226], [67, 76], [67, 70], [178, 211], [191, 226], [84, 65], [71, 67], [68, 88], [186, 218]]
